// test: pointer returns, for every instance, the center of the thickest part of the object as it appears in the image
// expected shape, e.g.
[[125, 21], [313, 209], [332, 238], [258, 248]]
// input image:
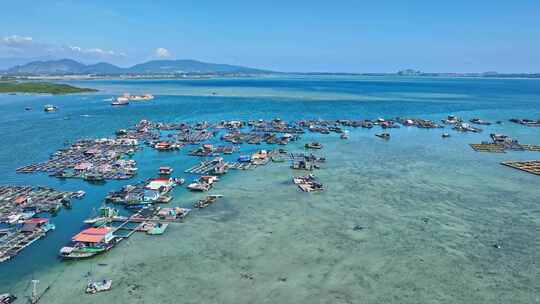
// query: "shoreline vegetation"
[[41, 88]]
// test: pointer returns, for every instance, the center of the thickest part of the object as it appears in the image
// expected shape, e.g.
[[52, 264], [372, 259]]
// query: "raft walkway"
[[498, 148], [16, 199], [15, 241], [529, 166], [126, 227]]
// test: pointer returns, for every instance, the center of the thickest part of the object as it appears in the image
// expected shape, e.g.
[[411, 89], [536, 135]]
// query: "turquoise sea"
[[430, 209]]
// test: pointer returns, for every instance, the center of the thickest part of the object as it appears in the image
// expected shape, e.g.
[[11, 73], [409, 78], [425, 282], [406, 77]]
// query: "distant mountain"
[[51, 67], [72, 67], [6, 63], [102, 68], [188, 66]]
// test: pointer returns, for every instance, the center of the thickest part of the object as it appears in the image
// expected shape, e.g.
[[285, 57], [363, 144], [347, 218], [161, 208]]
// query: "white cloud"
[[97, 52], [16, 40], [162, 53], [21, 46]]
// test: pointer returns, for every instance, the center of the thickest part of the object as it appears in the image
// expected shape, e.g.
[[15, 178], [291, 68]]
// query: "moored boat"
[[106, 214], [94, 177], [7, 298], [120, 101], [383, 135], [89, 242], [98, 286], [313, 145], [157, 229], [165, 170], [203, 203], [50, 108], [308, 183]]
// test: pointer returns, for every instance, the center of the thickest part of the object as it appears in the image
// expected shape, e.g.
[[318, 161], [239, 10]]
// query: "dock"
[[205, 167], [530, 166], [125, 227], [532, 148], [15, 241], [488, 147]]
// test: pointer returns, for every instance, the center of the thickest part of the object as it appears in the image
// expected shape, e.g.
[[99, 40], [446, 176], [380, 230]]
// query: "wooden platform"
[[16, 241], [533, 148], [493, 148], [530, 166]]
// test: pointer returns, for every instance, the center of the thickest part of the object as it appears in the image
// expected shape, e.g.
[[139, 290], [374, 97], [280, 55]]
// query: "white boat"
[[120, 101], [50, 108], [7, 298], [98, 286], [79, 194], [198, 186]]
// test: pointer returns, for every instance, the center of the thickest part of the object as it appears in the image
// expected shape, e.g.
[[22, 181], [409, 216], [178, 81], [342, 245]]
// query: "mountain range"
[[72, 67]]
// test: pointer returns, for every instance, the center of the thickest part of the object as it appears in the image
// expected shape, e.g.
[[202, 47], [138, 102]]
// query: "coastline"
[[267, 75], [33, 87]]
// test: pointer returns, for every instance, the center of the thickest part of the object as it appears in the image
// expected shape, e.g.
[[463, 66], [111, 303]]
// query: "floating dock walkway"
[[125, 227], [14, 242], [530, 166]]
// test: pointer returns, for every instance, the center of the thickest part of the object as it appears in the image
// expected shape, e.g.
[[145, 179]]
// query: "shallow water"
[[427, 211]]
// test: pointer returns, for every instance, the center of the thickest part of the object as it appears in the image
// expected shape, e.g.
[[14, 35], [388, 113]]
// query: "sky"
[[289, 36]]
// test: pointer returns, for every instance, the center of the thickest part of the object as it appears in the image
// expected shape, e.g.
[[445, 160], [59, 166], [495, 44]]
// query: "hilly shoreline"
[[155, 67]]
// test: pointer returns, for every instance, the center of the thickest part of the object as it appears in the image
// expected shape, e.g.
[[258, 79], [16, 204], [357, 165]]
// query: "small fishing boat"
[[79, 194], [157, 229], [165, 170], [98, 286], [7, 298], [220, 169], [445, 135], [106, 214], [344, 135], [203, 203], [465, 127], [313, 145], [50, 108], [179, 181], [451, 119], [308, 183], [93, 177], [244, 158], [277, 159], [197, 186], [383, 135], [136, 207], [120, 101], [479, 121]]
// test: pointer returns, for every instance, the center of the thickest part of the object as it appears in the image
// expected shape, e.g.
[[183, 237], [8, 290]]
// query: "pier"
[[500, 143], [529, 166], [14, 241]]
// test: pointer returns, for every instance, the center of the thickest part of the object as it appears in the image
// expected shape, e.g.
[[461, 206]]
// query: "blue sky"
[[332, 36]]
